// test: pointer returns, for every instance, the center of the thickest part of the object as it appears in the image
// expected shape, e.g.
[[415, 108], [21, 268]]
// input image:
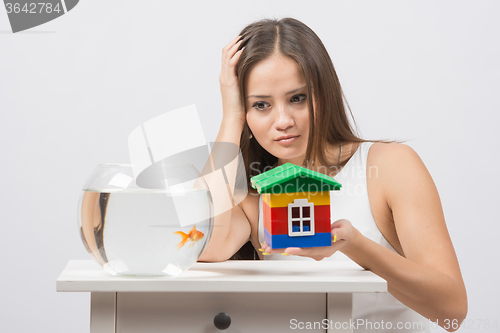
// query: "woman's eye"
[[298, 98], [260, 105]]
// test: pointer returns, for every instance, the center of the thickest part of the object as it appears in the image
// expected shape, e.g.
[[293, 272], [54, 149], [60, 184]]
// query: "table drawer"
[[195, 312]]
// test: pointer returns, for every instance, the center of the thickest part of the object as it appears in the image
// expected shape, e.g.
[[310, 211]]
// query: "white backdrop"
[[72, 90]]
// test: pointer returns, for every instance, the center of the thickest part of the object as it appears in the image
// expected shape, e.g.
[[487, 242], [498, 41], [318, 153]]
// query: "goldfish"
[[193, 236]]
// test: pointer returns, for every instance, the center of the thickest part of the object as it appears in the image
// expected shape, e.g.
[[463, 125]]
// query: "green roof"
[[290, 178]]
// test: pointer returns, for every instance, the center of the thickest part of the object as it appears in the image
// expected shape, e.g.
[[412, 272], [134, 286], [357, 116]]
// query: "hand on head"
[[232, 105]]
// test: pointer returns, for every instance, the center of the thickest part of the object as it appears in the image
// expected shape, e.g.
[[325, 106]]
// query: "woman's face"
[[277, 108]]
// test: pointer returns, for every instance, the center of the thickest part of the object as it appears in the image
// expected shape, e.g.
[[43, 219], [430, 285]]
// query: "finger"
[[337, 237], [230, 44], [301, 252], [227, 49], [264, 248], [294, 251], [237, 38], [235, 46], [316, 253], [231, 52], [340, 230], [234, 60], [267, 250]]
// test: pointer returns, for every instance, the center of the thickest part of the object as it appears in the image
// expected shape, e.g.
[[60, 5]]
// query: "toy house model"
[[296, 206]]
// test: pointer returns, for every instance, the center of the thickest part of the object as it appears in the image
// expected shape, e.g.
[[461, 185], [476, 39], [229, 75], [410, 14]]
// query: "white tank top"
[[374, 310]]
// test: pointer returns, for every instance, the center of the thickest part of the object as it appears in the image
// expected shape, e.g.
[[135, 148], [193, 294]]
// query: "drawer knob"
[[222, 321]]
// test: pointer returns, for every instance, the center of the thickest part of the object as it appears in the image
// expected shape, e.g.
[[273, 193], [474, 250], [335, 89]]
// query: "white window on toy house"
[[301, 218]]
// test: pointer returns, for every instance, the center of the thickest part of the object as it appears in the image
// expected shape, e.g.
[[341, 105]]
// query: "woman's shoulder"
[[392, 155], [396, 168], [388, 154]]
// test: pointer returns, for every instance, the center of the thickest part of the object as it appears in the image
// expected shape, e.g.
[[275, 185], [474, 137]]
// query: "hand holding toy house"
[[296, 206]]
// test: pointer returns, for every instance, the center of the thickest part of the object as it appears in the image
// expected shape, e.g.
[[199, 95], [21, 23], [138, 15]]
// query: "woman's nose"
[[284, 118]]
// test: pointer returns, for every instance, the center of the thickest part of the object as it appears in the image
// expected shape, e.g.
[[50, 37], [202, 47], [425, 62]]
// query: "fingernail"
[[334, 238], [265, 253], [285, 254], [261, 250]]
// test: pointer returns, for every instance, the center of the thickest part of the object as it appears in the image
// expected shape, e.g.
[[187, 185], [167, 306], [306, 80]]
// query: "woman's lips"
[[288, 140]]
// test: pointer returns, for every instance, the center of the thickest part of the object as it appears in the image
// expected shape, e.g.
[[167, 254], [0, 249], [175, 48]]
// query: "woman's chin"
[[297, 159]]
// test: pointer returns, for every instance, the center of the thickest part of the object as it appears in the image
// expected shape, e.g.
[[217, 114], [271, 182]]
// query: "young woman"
[[282, 102]]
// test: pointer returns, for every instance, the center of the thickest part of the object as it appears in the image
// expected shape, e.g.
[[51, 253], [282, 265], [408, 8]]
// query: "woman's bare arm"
[[231, 227], [428, 278]]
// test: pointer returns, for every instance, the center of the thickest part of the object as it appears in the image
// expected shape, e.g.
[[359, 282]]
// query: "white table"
[[259, 296]]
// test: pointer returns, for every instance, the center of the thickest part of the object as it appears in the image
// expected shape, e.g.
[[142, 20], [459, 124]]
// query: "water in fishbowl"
[[145, 231]]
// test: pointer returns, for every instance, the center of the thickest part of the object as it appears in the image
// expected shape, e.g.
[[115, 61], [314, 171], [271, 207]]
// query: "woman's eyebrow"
[[294, 91], [267, 96]]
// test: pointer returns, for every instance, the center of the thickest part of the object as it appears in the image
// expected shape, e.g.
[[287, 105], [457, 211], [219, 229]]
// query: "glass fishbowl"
[[149, 221]]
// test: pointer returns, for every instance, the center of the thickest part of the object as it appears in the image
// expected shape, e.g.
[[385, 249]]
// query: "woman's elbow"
[[213, 257], [454, 318]]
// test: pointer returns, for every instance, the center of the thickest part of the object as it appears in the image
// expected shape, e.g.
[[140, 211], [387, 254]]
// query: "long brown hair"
[[292, 38]]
